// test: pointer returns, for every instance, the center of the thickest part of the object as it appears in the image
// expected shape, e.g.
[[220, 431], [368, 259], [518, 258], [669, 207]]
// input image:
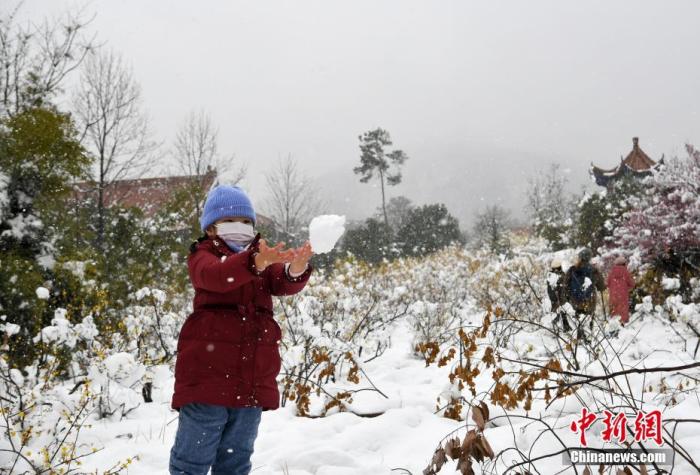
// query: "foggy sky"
[[478, 94]]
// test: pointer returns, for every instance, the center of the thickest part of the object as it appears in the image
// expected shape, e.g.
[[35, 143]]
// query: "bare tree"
[[196, 152], [35, 60], [115, 129], [490, 228], [548, 205], [293, 199]]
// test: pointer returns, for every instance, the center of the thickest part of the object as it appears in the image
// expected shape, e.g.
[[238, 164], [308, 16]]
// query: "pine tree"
[[375, 159]]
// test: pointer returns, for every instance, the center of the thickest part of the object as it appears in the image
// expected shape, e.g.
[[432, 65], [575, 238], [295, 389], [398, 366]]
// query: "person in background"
[[620, 283], [555, 279], [580, 283]]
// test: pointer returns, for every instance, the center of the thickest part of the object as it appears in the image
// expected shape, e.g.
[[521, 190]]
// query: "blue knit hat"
[[225, 201]]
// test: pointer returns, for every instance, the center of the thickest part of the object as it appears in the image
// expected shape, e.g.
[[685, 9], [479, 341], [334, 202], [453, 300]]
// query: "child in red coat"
[[228, 357]]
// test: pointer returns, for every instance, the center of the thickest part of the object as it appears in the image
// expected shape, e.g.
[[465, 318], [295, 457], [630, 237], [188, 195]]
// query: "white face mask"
[[236, 233]]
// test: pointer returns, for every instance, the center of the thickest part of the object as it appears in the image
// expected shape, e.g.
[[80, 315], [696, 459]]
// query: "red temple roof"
[[636, 163]]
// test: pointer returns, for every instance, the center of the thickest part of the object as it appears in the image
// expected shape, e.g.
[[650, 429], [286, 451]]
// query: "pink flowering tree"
[[663, 230]]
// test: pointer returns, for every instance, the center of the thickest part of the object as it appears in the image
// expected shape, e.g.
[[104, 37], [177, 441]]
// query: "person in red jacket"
[[227, 354], [620, 283]]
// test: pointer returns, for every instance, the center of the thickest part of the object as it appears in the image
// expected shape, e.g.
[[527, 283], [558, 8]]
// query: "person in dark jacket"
[[555, 279], [228, 357], [580, 283]]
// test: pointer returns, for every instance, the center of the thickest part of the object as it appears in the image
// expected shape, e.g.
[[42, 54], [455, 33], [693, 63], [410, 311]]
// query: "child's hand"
[[300, 258], [269, 255]]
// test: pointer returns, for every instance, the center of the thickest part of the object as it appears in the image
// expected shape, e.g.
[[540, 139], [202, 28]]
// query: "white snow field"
[[340, 444], [409, 301], [324, 232], [408, 431]]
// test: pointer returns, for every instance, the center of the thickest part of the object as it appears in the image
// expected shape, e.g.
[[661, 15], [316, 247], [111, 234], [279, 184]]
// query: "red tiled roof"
[[148, 194], [637, 160]]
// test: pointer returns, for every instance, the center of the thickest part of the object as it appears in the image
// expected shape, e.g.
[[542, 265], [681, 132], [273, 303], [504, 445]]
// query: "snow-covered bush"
[[536, 377], [79, 374], [151, 329], [340, 322]]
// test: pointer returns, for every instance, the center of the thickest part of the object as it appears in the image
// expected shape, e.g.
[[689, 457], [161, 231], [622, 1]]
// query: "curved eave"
[[604, 177]]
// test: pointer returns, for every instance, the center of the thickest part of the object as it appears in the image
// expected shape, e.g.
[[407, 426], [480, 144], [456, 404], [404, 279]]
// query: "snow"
[[42, 293], [9, 328], [324, 232], [120, 365], [670, 283], [552, 279], [4, 197], [405, 435], [587, 283], [377, 434]]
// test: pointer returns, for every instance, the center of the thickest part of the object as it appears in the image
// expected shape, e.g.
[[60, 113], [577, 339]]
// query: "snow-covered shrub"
[[46, 405], [41, 421], [340, 322], [79, 373], [537, 378], [117, 381], [151, 329]]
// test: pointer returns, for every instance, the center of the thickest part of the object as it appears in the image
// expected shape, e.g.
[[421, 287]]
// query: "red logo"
[[647, 426]]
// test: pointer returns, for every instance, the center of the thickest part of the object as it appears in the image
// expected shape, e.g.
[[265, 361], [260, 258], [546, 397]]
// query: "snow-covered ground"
[[343, 443], [447, 291], [408, 431]]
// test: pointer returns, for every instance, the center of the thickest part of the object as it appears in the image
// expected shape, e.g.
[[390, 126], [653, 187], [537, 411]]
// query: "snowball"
[[324, 232], [42, 293]]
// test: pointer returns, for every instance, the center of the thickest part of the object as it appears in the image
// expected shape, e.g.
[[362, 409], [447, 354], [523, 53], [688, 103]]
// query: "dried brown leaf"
[[439, 459], [478, 417], [484, 410], [478, 451], [468, 442], [465, 466], [453, 449], [487, 447]]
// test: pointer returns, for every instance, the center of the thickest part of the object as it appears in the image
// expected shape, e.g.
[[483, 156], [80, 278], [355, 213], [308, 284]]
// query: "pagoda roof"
[[636, 163]]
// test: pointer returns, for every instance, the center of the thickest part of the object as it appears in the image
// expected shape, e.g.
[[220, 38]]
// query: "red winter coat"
[[620, 283], [227, 352]]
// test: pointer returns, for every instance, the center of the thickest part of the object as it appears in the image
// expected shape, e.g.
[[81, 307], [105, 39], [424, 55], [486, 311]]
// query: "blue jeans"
[[216, 437]]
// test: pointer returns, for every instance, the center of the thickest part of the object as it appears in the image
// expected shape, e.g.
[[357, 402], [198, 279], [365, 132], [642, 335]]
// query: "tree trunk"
[[386, 219], [100, 214]]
